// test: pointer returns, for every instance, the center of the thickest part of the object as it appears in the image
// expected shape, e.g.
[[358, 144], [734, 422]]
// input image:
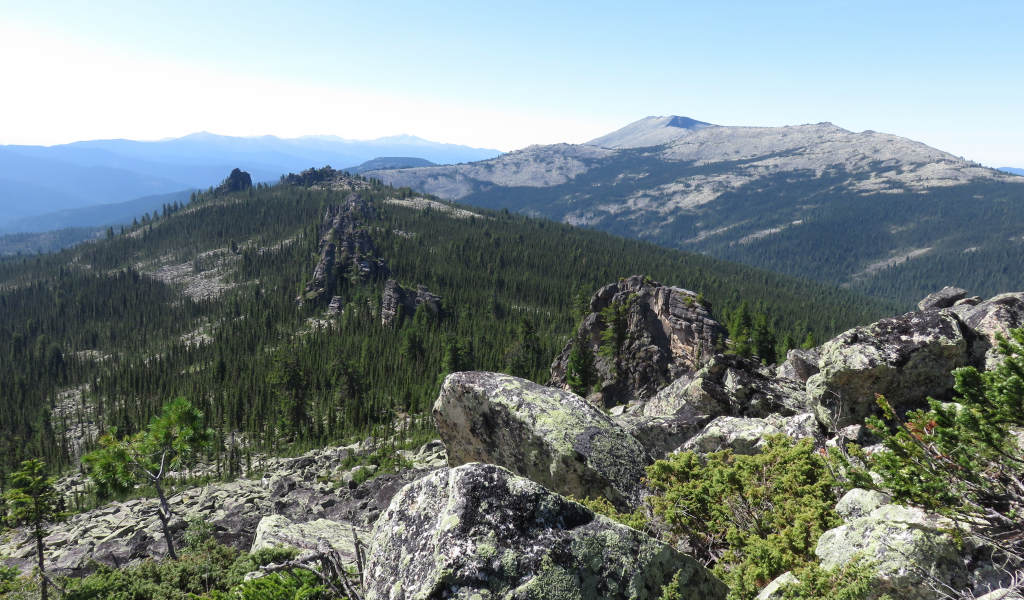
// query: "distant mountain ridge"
[[811, 200], [97, 215], [390, 162], [1012, 170], [36, 180]]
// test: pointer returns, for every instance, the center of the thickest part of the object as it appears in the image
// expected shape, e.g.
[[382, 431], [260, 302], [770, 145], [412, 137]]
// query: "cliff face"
[[346, 250], [668, 334]]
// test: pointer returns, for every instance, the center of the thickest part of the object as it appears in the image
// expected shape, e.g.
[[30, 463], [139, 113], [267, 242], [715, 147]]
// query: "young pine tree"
[[168, 443], [616, 320]]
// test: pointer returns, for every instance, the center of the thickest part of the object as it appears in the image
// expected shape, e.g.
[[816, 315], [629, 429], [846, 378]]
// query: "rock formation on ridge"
[[398, 301], [667, 334], [346, 250]]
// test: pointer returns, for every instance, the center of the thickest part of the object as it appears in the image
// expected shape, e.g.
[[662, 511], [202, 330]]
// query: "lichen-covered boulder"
[[478, 532], [661, 435], [906, 358], [998, 315], [909, 549], [548, 435], [748, 436], [278, 530], [729, 385], [858, 503]]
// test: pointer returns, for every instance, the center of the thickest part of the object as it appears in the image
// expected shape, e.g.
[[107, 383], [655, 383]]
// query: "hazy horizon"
[[506, 77]]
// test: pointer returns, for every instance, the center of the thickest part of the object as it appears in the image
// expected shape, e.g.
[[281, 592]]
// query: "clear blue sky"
[[505, 75]]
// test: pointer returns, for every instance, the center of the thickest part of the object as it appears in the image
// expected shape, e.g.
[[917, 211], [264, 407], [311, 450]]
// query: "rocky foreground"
[[483, 513]]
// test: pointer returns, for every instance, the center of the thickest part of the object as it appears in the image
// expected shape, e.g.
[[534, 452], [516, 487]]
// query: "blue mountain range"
[[40, 180]]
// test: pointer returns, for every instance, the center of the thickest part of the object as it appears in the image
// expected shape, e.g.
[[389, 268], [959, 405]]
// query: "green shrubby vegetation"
[[751, 518]]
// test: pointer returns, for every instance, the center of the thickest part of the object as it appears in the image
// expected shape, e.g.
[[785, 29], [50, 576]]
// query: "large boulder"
[[998, 315], [668, 334], [749, 436], [911, 551], [549, 435], [478, 532], [661, 435], [799, 365], [944, 298], [278, 530], [729, 385], [906, 359]]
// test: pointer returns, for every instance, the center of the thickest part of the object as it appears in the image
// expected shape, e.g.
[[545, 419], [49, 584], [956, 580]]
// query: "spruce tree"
[[764, 340], [740, 326], [580, 373]]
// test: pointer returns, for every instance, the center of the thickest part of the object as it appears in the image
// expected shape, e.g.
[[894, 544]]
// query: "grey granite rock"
[[480, 532], [549, 435], [907, 359], [943, 298]]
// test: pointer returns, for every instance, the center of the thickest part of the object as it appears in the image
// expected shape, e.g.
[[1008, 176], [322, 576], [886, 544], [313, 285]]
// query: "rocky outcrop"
[[668, 334], [729, 385], [907, 359], [944, 298], [479, 532], [346, 250], [748, 436], [550, 436], [398, 301], [998, 315], [326, 178], [237, 181]]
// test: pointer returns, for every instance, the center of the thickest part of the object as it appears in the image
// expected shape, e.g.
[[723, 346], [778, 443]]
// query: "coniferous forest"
[[199, 301]]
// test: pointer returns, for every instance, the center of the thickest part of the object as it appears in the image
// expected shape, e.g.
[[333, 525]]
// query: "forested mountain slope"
[[201, 303], [868, 210]]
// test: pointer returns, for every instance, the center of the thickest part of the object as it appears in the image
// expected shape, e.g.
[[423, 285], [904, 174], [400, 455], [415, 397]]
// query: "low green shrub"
[[750, 518], [211, 571]]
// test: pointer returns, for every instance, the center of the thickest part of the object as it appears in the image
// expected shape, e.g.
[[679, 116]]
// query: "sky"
[[509, 74]]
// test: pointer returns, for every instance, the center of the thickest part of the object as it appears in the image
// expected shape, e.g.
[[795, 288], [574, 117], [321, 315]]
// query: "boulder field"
[[484, 512]]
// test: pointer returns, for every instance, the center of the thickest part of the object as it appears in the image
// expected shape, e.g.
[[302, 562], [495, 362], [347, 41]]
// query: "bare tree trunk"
[[39, 553], [165, 519]]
